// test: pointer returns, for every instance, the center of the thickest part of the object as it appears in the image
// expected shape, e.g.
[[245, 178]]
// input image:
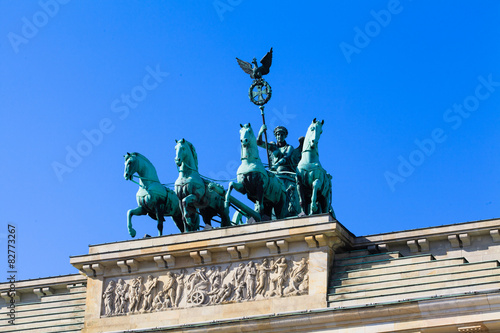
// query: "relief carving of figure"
[[135, 294], [222, 294], [217, 277], [239, 294], [198, 286], [120, 296], [262, 277], [248, 281], [239, 282], [158, 302], [148, 293], [298, 273], [170, 289], [180, 287], [251, 274], [108, 296], [304, 286], [278, 280]]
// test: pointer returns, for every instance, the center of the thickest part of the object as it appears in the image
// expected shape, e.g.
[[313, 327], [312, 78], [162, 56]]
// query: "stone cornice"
[[326, 230], [478, 228]]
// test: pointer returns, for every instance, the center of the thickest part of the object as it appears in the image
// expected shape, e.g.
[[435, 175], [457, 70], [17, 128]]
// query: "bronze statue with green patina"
[[314, 184], [153, 198], [283, 158], [261, 186], [193, 191]]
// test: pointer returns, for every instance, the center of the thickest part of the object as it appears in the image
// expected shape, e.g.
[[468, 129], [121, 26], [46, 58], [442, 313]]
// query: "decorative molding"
[[273, 248], [7, 296], [311, 241], [196, 257], [170, 260], [160, 263], [423, 243], [465, 239], [123, 266], [233, 252], [412, 244], [454, 241], [495, 234], [127, 266], [474, 328], [133, 264], [206, 256], [419, 245], [282, 245], [243, 251]]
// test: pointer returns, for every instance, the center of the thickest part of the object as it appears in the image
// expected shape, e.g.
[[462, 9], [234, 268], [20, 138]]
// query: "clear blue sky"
[[409, 91]]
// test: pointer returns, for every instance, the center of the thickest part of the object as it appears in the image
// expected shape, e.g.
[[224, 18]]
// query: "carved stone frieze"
[[205, 285]]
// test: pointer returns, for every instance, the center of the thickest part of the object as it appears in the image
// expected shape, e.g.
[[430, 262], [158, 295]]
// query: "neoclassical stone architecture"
[[306, 274]]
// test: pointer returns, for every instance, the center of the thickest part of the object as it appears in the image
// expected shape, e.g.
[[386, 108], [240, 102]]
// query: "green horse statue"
[[193, 191], [153, 198], [261, 187], [314, 184]]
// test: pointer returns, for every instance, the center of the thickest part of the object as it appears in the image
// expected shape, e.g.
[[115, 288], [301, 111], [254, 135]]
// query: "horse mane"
[[307, 141], [147, 161], [193, 152], [141, 156]]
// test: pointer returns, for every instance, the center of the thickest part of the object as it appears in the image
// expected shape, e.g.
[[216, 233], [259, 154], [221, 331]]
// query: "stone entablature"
[[442, 238], [53, 304], [251, 269], [311, 274]]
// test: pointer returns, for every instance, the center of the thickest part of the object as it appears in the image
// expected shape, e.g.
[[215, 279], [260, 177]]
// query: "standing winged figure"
[[257, 72]]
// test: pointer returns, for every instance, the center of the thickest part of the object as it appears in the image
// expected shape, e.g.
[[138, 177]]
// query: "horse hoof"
[[302, 214], [132, 233], [147, 236], [207, 227]]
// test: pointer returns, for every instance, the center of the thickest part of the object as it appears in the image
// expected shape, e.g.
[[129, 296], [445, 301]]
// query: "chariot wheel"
[[198, 297]]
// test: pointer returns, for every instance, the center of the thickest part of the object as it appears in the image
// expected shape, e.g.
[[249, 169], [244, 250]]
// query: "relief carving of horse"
[[314, 184], [153, 198], [261, 187], [193, 191]]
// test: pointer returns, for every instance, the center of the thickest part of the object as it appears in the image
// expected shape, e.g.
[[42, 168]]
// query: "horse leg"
[[189, 212], [225, 220], [137, 211], [314, 197], [159, 220], [302, 199], [238, 187], [177, 217], [265, 214], [281, 208]]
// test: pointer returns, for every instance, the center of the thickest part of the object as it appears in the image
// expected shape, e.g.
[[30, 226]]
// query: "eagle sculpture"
[[257, 72]]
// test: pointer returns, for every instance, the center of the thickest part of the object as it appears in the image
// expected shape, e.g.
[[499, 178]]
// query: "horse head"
[[185, 154], [246, 135], [313, 134], [130, 165]]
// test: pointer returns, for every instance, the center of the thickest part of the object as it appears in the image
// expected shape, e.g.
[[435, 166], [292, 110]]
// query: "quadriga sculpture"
[[261, 187], [314, 184], [153, 198], [193, 191]]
